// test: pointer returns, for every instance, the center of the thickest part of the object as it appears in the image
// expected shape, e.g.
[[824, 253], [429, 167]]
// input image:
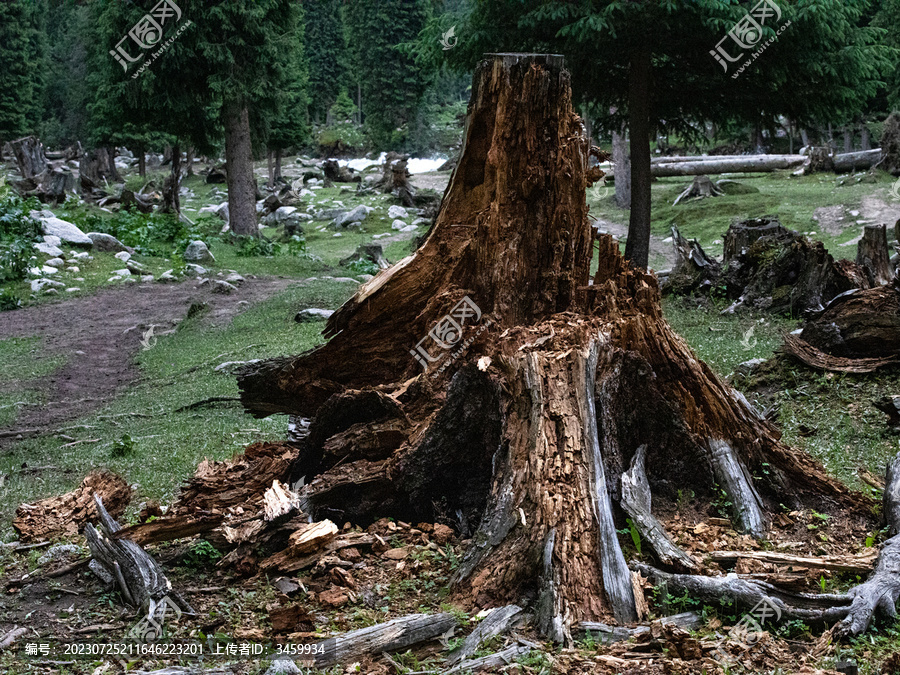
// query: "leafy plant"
[[201, 555], [123, 447], [9, 301], [362, 266], [252, 247], [635, 534]]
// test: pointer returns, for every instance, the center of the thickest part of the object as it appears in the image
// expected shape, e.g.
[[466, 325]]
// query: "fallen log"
[[733, 476], [852, 564], [636, 502], [139, 577], [857, 161], [391, 636], [740, 164], [170, 528], [64, 516]]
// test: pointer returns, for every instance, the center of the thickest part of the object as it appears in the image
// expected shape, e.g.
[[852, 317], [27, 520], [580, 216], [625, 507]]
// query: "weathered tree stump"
[[700, 188], [873, 255], [523, 387], [30, 158]]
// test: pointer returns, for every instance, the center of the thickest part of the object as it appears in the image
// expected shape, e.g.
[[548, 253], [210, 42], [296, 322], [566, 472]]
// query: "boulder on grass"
[[66, 231], [107, 243], [198, 252]]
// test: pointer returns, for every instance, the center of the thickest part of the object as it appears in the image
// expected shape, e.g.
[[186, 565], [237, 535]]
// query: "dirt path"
[[100, 334]]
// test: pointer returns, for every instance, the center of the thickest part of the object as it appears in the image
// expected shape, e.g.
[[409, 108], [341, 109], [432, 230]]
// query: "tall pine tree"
[[22, 66], [389, 81], [325, 54]]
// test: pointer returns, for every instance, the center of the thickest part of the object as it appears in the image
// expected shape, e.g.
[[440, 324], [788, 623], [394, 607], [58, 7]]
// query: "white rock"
[[198, 252], [81, 255], [398, 225], [48, 249], [408, 228], [46, 269], [106, 242], [146, 277], [313, 314], [73, 269], [72, 290], [167, 276], [66, 231], [193, 270], [235, 279], [345, 280], [337, 234], [397, 212], [421, 221], [223, 287], [37, 285], [55, 262], [382, 235], [122, 273], [53, 241], [124, 256]]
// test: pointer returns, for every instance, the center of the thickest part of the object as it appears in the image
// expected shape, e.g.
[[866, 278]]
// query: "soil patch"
[[100, 334]]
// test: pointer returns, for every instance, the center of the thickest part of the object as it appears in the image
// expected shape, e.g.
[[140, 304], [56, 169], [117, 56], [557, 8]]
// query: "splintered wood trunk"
[[489, 382], [30, 158]]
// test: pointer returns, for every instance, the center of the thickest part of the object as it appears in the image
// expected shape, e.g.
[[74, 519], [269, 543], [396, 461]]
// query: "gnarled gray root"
[[636, 502], [735, 480], [139, 576], [748, 593], [880, 591]]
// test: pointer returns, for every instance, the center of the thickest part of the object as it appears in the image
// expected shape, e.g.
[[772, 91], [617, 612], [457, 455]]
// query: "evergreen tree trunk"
[[270, 165], [637, 248], [848, 139], [172, 185], [239, 164], [113, 170], [865, 139], [190, 161], [278, 153], [523, 433], [622, 163], [142, 163]]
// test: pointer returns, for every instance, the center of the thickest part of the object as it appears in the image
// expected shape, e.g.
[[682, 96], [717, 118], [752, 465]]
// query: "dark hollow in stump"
[[873, 255], [511, 390]]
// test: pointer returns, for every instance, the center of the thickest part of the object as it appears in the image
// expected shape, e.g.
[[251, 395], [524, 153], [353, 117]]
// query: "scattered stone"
[[398, 225], [397, 212], [283, 666], [48, 249], [59, 552], [193, 270], [81, 255], [408, 228], [382, 235], [357, 215], [146, 277], [223, 287], [346, 280], [230, 366], [135, 267], [748, 367], [51, 291], [122, 273], [421, 221], [106, 243], [55, 262], [37, 285], [124, 256], [74, 269], [73, 289], [56, 227], [167, 276], [337, 234], [53, 241], [197, 251], [313, 314], [235, 279], [47, 269]]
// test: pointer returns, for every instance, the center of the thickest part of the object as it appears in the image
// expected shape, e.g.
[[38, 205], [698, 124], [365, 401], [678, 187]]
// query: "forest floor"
[[84, 386]]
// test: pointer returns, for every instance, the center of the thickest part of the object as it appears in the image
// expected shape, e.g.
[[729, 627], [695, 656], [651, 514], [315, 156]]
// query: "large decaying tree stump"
[[539, 383]]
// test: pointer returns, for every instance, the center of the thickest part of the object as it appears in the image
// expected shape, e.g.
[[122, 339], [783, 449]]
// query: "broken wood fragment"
[[607, 634], [636, 502], [170, 528], [496, 662], [279, 501], [874, 256], [852, 564], [801, 350], [497, 622], [64, 516], [140, 578], [392, 636]]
